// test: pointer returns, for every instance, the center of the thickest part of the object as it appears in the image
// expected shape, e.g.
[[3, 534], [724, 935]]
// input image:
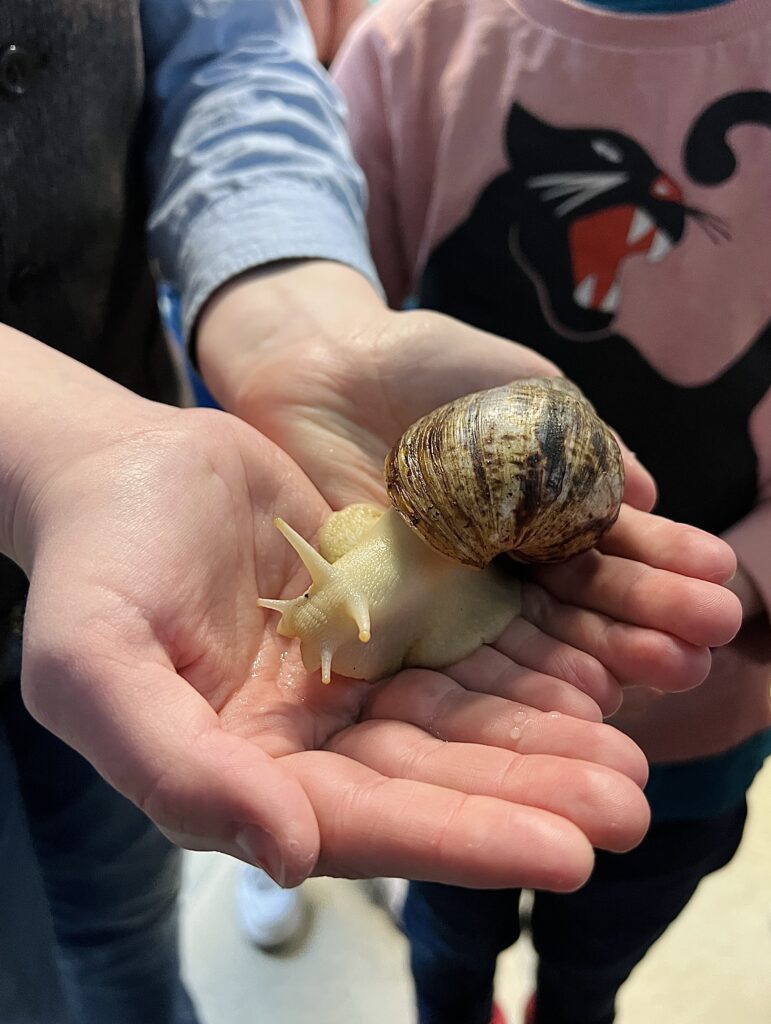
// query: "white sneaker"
[[391, 894], [268, 914]]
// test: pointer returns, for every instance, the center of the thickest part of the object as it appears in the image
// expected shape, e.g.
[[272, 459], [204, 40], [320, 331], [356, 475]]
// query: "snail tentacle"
[[389, 601], [314, 562], [358, 609]]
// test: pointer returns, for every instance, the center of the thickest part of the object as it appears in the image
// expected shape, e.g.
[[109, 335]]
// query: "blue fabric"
[[87, 888], [656, 6], [709, 786], [171, 318], [248, 159]]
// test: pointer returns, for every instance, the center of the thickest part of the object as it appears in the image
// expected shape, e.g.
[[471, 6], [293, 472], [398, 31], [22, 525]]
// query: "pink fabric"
[[429, 85]]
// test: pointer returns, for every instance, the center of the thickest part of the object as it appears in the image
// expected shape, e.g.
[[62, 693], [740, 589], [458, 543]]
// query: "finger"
[[639, 486], [608, 808], [376, 826], [701, 613], [489, 671], [634, 655], [157, 741], [436, 703], [528, 645], [666, 545]]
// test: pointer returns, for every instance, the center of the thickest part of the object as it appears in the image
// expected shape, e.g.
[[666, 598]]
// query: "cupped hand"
[[338, 403], [648, 601], [336, 391], [146, 651]]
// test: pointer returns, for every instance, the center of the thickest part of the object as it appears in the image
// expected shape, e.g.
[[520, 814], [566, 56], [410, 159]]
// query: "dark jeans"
[[88, 927], [587, 942]]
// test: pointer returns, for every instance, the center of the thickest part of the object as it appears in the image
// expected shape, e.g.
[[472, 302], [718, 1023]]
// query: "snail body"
[[527, 470], [389, 601]]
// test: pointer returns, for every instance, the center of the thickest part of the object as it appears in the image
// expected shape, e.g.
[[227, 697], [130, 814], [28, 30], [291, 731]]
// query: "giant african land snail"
[[526, 469]]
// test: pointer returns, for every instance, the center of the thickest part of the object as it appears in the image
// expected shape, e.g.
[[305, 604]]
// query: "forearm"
[[280, 309], [52, 410], [248, 161]]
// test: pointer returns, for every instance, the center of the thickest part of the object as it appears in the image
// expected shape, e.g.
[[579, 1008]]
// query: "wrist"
[[256, 322], [54, 414]]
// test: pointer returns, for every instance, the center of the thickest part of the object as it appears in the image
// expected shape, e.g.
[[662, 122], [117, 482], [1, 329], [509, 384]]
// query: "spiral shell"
[[527, 468]]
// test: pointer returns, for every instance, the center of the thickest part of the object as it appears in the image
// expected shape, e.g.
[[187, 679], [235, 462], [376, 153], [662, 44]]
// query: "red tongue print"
[[598, 244]]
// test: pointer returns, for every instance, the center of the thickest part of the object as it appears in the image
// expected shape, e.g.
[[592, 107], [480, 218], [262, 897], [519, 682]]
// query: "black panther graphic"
[[539, 260], [601, 201]]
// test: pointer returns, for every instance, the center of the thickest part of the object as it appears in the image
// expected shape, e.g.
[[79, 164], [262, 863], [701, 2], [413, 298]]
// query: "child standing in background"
[[592, 180]]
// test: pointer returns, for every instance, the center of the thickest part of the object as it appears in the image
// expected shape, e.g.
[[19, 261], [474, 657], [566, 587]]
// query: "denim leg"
[[589, 942], [111, 881], [455, 937], [31, 990]]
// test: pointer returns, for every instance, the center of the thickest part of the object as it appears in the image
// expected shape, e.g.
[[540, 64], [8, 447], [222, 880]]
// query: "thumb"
[[158, 742]]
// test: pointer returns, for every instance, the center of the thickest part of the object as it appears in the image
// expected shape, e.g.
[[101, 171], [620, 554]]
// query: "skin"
[[147, 536], [339, 381], [330, 21], [656, 727]]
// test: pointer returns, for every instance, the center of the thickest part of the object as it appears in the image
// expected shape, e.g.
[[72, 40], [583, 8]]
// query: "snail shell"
[[528, 469]]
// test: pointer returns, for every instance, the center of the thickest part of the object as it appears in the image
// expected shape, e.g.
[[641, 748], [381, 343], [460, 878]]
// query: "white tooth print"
[[584, 293], [641, 225], [660, 247], [612, 299]]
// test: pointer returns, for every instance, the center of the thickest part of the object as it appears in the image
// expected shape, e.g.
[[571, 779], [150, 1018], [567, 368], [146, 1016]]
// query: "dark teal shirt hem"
[[708, 787], [655, 6]]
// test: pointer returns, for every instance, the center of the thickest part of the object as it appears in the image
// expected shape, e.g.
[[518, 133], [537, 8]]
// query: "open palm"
[[145, 649]]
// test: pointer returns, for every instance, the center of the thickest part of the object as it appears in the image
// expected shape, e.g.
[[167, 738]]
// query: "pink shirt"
[[598, 186]]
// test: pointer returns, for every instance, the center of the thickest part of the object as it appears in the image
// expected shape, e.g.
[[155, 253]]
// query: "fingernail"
[[262, 849]]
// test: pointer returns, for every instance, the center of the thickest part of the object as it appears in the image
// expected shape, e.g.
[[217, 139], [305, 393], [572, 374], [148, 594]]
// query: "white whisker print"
[[581, 187]]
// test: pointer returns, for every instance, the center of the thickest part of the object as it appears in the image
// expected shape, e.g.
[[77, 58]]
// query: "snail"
[[527, 470]]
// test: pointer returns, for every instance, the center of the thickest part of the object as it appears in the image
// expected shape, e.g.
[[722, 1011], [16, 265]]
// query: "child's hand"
[[311, 357], [144, 649]]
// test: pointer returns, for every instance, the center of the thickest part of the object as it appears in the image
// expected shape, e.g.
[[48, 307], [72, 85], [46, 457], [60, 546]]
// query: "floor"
[[712, 967]]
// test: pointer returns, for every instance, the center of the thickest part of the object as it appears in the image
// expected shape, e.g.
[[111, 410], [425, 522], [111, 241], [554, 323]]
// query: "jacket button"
[[15, 70]]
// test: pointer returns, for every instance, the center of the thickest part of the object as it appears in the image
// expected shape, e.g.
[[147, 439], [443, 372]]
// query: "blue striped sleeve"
[[248, 160]]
